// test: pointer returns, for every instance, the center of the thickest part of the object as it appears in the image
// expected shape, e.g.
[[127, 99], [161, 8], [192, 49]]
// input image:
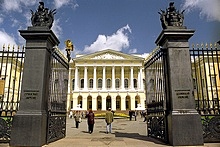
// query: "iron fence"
[[57, 96], [11, 68], [206, 77], [155, 93]]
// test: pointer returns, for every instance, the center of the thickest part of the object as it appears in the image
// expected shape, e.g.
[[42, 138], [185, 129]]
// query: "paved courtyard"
[[125, 133]]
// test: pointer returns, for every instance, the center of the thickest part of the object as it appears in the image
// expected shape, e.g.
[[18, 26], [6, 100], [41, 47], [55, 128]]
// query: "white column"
[[132, 78], [76, 78], [113, 77], [122, 77], [69, 91], [139, 83], [103, 78], [103, 103], [141, 79], [113, 103], [94, 103], [94, 78], [132, 103], [85, 78], [123, 103], [84, 103]]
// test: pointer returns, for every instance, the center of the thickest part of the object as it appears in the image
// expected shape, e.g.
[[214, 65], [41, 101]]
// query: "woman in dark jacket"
[[90, 116]]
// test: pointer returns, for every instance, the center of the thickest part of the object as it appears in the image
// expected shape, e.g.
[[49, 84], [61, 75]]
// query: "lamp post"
[[69, 47]]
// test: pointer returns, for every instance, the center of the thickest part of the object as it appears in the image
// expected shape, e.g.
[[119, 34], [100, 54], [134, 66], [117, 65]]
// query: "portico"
[[106, 79]]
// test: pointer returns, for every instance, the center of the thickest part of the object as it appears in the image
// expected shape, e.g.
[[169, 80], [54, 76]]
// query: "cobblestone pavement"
[[125, 133]]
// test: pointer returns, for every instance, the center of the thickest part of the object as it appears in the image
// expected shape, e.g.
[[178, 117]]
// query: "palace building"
[[106, 79]]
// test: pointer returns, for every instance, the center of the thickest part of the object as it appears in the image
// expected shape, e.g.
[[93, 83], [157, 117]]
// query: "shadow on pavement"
[[139, 137]]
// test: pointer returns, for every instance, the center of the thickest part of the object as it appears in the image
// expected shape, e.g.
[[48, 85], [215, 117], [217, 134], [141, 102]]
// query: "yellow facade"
[[106, 79]]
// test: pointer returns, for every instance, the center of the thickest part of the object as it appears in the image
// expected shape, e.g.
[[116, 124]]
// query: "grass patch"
[[115, 115]]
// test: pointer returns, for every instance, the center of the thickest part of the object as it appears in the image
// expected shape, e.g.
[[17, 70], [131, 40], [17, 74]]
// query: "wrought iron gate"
[[206, 76], [11, 67], [57, 97], [155, 93]]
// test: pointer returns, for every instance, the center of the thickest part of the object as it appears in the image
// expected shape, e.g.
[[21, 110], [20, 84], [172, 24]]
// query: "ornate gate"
[[57, 97], [155, 92], [11, 67], [205, 61]]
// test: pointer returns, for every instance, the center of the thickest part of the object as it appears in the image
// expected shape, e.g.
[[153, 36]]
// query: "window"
[[82, 83], [151, 84], [135, 83], [108, 83], [117, 83], [73, 84], [90, 83], [99, 83], [194, 83], [126, 83], [213, 80]]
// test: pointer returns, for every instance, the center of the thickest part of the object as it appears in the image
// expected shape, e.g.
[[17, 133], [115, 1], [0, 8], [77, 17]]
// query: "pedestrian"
[[135, 115], [90, 120], [145, 116], [77, 117], [130, 114], [109, 119], [71, 114]]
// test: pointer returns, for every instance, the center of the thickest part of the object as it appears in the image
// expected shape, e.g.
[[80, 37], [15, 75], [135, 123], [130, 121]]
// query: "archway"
[[118, 102], [128, 102], [89, 102], [99, 103], [137, 100], [108, 102], [79, 101]]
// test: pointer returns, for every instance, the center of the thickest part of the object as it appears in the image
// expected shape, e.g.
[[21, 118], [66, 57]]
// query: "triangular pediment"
[[108, 55]]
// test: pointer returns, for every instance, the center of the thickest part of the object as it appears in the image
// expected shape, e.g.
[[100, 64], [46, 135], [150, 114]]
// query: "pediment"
[[108, 55]]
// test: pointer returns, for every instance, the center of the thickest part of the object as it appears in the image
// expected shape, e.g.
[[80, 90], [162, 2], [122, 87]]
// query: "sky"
[[128, 26]]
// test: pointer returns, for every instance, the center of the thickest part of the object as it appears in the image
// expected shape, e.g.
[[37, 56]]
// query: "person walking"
[[91, 120], [77, 117], [109, 119]]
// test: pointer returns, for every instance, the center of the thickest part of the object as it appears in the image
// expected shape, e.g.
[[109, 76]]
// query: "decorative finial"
[[69, 47], [171, 17], [42, 17]]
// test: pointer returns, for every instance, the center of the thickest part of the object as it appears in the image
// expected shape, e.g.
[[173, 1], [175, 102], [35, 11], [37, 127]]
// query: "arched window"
[[99, 83], [117, 83], [135, 83], [73, 84], [108, 83], [82, 83], [90, 83], [126, 83]]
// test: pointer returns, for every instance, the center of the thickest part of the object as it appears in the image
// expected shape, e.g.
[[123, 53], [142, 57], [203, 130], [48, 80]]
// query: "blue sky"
[[129, 26]]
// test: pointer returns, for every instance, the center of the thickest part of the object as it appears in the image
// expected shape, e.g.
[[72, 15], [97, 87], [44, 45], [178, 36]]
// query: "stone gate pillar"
[[184, 122], [30, 123], [29, 127]]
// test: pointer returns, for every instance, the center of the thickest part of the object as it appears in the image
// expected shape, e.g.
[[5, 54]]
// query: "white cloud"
[[116, 41], [57, 28], [1, 20], [208, 9], [132, 51], [59, 3], [6, 39], [16, 5]]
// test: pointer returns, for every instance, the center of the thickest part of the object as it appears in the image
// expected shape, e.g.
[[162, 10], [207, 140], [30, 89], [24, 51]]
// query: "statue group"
[[42, 17], [172, 17]]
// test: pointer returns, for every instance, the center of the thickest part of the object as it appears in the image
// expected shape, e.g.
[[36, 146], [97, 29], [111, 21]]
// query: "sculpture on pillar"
[[69, 47], [171, 18], [42, 17]]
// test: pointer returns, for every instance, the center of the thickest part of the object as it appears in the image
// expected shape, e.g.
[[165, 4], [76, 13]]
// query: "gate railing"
[[155, 93], [205, 61], [57, 96], [11, 68]]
